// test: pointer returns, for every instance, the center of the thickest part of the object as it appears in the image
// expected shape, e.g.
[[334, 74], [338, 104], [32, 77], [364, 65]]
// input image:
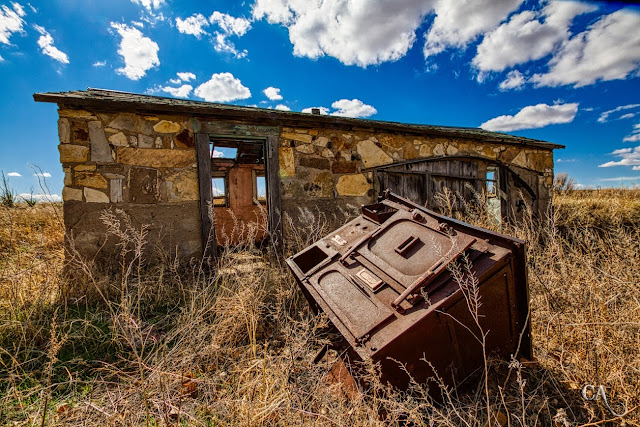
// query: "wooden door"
[[421, 181]]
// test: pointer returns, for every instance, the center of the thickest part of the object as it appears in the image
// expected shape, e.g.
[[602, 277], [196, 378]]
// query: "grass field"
[[171, 345]]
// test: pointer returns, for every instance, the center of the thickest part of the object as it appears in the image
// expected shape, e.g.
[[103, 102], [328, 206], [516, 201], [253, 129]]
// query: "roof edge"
[[107, 99]]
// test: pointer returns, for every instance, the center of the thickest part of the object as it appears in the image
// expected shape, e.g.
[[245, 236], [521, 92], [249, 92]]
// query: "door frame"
[[270, 136]]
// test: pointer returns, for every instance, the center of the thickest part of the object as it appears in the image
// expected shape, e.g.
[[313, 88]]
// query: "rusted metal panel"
[[385, 281]]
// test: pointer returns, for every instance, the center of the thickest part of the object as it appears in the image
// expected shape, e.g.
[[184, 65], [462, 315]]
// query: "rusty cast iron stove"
[[385, 281]]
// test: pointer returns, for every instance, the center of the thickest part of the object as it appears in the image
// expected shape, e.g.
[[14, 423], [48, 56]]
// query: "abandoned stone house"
[[201, 174]]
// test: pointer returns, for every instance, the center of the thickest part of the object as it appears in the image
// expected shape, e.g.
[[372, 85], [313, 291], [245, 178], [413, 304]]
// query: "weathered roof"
[[125, 101]]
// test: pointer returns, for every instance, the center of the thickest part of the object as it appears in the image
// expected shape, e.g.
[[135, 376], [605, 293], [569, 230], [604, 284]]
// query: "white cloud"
[[273, 93], [459, 22], [275, 11], [627, 156], [528, 36], [152, 15], [627, 116], [605, 116], [11, 22], [150, 4], [323, 110], [221, 44], [46, 44], [1, 59], [41, 197], [182, 77], [607, 50], [352, 108], [532, 117], [13, 174], [634, 136], [368, 32], [364, 32], [514, 80], [228, 26], [100, 63], [179, 92], [566, 160], [621, 178], [140, 53], [622, 151], [282, 107], [584, 187], [18, 8], [217, 154], [345, 108], [43, 174], [222, 87], [193, 25], [186, 76]]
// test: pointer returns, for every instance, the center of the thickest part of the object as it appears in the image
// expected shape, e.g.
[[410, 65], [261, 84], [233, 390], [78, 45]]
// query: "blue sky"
[[562, 71]]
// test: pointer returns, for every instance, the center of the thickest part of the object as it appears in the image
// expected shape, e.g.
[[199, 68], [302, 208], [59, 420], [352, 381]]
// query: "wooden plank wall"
[[421, 181]]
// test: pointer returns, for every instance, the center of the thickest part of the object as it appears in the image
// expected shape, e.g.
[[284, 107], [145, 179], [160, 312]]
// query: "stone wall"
[[145, 166], [317, 164], [142, 165]]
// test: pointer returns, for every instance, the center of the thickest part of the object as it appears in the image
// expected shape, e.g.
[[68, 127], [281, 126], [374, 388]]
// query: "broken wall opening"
[[239, 193], [494, 194], [505, 191]]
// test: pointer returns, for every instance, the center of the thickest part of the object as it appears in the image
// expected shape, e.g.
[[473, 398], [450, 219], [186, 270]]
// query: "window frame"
[[225, 197], [254, 179], [495, 181]]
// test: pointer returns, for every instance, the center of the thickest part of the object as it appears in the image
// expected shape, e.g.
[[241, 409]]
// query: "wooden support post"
[[203, 156], [273, 190]]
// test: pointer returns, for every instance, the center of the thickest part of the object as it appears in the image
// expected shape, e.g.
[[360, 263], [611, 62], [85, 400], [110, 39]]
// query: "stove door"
[[407, 250], [354, 306]]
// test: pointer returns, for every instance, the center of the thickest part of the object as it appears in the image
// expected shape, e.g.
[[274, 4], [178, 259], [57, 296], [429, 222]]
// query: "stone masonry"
[[317, 164], [127, 158], [143, 165]]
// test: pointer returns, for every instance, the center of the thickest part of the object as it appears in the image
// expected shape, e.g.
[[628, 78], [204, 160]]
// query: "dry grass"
[[598, 208], [152, 346]]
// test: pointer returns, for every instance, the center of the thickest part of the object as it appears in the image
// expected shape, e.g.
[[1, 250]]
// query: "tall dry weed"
[[173, 344]]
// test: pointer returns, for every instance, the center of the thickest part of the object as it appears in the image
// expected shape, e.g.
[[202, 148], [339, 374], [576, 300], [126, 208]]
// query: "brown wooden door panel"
[[414, 187], [422, 181]]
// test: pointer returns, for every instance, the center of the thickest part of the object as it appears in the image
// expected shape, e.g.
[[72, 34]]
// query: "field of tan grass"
[[172, 344]]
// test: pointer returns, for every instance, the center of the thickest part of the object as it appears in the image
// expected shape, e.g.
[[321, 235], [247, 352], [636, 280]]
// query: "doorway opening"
[[239, 190]]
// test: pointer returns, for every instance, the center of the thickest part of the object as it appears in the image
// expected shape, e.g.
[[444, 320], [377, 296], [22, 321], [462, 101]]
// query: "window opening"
[[491, 182], [245, 152], [219, 191], [218, 152], [492, 186], [259, 187]]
